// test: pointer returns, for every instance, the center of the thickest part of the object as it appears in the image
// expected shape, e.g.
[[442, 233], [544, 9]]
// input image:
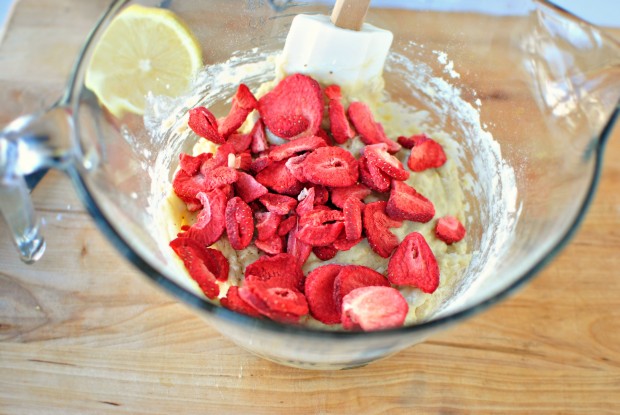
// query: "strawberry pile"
[[307, 196]]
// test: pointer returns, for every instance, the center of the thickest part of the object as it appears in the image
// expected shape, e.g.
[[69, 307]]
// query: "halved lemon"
[[143, 50]]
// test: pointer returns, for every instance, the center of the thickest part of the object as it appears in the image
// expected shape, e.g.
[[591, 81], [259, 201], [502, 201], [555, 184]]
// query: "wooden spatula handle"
[[350, 14]]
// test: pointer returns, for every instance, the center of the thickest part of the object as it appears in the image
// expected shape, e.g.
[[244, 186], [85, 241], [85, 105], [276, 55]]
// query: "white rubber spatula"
[[339, 50]]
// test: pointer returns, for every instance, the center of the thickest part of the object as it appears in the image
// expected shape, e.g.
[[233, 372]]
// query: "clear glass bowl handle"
[[30, 144]]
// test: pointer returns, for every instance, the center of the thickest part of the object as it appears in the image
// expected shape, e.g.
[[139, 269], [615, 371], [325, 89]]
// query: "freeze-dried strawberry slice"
[[320, 216], [414, 264], [320, 235], [343, 244], [294, 108], [300, 250], [271, 246], [220, 159], [293, 147], [186, 186], [331, 166], [374, 308], [220, 176], [280, 270], [407, 142], [196, 260], [242, 104], [277, 178], [210, 223], [425, 154], [449, 229], [319, 289], [338, 123], [280, 204], [295, 166], [248, 188], [243, 161], [376, 224], [190, 164], [204, 124], [375, 180], [286, 225], [241, 142], [259, 139], [259, 164], [339, 195], [377, 155], [324, 253], [370, 132], [306, 203], [406, 203], [352, 277], [234, 302], [321, 194], [239, 223], [352, 211], [280, 304], [267, 225]]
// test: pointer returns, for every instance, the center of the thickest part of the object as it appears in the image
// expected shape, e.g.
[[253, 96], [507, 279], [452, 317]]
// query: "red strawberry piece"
[[281, 270], [259, 139], [343, 244], [293, 147], [239, 223], [352, 277], [338, 123], [340, 194], [321, 194], [279, 304], [294, 108], [196, 260], [300, 250], [279, 204], [210, 223], [407, 142], [319, 289], [204, 124], [374, 308], [324, 253], [320, 235], [307, 203], [220, 159], [375, 179], [406, 203], [377, 155], [331, 166], [320, 216], [242, 104], [414, 264], [449, 229], [220, 176], [191, 165], [352, 211], [186, 186], [267, 225], [370, 132], [277, 178], [295, 166], [377, 224], [234, 302], [241, 142], [286, 225], [243, 161], [259, 164], [248, 188], [426, 154], [325, 136], [333, 92], [271, 246]]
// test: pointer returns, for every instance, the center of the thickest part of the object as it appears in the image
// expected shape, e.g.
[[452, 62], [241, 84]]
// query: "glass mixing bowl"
[[530, 91]]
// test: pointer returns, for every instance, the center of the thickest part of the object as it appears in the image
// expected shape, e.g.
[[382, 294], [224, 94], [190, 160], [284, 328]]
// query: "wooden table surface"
[[82, 332]]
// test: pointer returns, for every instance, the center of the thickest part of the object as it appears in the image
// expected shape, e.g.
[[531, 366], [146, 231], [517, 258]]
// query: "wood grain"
[[82, 332]]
